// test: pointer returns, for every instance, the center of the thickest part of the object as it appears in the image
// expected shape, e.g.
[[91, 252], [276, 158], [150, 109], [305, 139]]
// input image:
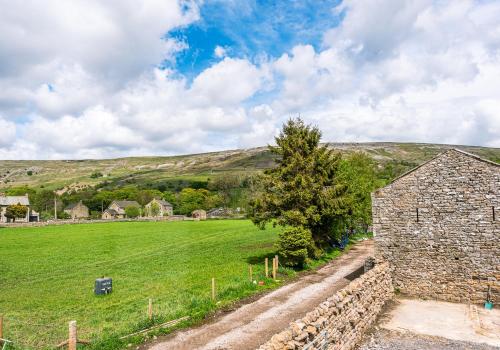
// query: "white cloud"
[[411, 71], [220, 52], [408, 71], [7, 132]]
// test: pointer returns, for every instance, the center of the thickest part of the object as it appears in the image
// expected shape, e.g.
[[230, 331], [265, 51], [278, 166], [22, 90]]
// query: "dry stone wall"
[[439, 227], [342, 319]]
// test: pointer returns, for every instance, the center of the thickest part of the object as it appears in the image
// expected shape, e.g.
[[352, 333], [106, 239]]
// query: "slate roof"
[[72, 205], [125, 204], [12, 200], [162, 202], [111, 211]]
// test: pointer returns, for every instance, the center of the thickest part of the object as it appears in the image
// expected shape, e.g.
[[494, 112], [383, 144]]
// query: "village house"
[[116, 209], [218, 213], [5, 201], [199, 214], [77, 210], [164, 208], [439, 227]]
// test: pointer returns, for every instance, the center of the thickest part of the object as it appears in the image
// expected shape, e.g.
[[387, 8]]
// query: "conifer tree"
[[303, 190]]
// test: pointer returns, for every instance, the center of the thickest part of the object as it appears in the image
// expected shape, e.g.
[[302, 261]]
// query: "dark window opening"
[[493, 212], [417, 216]]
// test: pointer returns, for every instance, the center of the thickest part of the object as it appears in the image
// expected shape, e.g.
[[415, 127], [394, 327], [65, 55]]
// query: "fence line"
[[72, 335]]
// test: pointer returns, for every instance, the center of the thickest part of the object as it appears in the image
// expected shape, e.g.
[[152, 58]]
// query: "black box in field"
[[103, 286]]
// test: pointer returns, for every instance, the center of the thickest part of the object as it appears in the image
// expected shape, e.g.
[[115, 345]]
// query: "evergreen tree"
[[303, 190]]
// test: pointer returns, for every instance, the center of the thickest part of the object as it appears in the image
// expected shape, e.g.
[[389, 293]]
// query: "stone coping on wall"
[[340, 321], [84, 221]]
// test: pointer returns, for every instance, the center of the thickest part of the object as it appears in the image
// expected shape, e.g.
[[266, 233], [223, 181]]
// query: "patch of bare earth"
[[384, 339], [255, 323], [411, 324]]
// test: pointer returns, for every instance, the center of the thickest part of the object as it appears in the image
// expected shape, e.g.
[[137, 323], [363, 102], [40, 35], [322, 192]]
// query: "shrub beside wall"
[[345, 316]]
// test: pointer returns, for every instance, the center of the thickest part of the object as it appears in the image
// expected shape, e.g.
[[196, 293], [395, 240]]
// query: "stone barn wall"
[[439, 227], [342, 319]]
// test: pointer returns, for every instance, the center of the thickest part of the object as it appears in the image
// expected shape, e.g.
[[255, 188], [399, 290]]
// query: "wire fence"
[[30, 332]]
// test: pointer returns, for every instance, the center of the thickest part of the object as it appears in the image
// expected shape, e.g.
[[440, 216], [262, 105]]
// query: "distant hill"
[[75, 174]]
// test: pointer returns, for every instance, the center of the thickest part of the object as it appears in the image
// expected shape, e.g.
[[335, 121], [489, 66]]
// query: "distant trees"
[[96, 175], [225, 185], [155, 209], [16, 211], [190, 199], [132, 212], [357, 170]]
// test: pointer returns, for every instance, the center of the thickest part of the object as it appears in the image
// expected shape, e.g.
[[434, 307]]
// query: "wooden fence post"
[[72, 336], [277, 262], [274, 268], [150, 309], [250, 272], [213, 288], [266, 263]]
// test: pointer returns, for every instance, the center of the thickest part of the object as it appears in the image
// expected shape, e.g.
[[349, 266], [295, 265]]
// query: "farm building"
[[439, 227], [219, 213], [5, 201], [199, 214], [77, 210], [116, 209], [164, 208]]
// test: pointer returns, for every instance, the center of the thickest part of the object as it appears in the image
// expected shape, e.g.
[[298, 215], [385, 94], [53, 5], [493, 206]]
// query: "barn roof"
[[12, 200], [162, 202], [125, 204], [476, 157], [72, 205]]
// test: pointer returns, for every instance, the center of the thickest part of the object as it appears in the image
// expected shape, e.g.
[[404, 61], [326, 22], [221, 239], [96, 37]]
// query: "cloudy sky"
[[92, 79]]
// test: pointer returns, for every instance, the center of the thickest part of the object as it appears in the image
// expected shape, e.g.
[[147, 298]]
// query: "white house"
[[5, 201]]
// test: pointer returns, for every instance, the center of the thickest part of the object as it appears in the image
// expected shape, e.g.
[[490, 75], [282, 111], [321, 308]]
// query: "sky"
[[102, 79]]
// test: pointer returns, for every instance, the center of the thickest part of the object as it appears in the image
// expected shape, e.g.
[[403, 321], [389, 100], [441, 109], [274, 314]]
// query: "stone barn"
[[77, 210], [116, 209], [164, 208], [439, 227], [199, 214]]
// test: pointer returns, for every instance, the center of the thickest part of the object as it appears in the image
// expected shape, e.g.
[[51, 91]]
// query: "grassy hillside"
[[74, 174], [48, 275]]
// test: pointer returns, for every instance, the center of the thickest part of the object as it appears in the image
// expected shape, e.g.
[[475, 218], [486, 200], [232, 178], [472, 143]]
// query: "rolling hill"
[[76, 174]]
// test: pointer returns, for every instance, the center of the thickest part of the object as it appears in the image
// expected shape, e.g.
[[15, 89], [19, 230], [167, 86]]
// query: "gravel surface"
[[255, 323], [382, 339]]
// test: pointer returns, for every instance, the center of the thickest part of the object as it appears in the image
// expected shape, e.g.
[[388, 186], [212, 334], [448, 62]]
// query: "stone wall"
[[439, 227], [342, 319], [93, 221]]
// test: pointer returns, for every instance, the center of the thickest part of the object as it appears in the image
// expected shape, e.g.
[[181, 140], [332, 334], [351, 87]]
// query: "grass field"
[[47, 275]]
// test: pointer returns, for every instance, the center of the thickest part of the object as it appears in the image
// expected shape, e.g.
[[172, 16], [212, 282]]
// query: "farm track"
[[255, 323]]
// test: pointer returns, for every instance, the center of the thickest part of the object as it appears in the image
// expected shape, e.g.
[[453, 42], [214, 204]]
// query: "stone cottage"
[[77, 210], [199, 214], [165, 208], [439, 227], [5, 201], [116, 209]]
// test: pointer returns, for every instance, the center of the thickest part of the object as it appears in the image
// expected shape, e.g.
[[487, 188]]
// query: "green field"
[[47, 275]]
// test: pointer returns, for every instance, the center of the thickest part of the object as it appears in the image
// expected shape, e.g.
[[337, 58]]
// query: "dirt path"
[[253, 324]]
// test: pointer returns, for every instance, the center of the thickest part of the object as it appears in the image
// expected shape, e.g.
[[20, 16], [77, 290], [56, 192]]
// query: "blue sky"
[[252, 29], [165, 77]]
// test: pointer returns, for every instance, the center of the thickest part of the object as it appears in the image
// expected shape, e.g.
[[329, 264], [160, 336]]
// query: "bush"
[[295, 245], [132, 212], [96, 175]]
